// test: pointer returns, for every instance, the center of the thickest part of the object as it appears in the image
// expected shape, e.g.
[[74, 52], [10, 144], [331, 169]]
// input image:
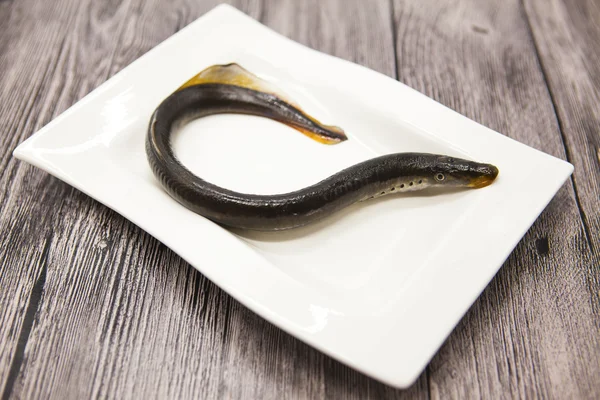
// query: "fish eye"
[[439, 177]]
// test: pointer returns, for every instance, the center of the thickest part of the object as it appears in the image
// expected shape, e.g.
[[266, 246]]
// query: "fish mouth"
[[487, 177]]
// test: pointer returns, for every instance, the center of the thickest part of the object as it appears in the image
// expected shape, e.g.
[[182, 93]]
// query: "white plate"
[[379, 286]]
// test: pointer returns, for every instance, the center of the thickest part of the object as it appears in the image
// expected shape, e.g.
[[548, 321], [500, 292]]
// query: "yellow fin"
[[321, 138], [234, 74]]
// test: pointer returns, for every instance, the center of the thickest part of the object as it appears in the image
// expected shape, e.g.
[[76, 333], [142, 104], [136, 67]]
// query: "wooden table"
[[92, 306]]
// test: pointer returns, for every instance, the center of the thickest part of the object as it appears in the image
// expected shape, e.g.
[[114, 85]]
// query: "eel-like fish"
[[231, 89]]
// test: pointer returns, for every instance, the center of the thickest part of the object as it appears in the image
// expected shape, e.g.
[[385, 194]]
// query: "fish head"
[[458, 172]]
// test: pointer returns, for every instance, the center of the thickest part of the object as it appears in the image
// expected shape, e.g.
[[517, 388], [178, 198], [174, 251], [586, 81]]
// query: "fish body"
[[387, 174]]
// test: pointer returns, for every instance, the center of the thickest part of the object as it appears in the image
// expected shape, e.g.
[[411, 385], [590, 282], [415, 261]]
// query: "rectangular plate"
[[378, 286]]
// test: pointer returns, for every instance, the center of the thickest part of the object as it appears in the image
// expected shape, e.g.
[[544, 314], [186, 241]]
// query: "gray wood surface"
[[91, 306]]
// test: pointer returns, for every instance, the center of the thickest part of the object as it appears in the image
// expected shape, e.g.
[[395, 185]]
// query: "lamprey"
[[232, 89]]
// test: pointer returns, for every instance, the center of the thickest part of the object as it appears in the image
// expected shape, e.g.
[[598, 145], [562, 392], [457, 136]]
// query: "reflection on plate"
[[378, 286]]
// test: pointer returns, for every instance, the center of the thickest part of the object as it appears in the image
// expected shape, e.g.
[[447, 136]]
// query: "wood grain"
[[29, 199], [567, 37], [521, 338], [92, 306]]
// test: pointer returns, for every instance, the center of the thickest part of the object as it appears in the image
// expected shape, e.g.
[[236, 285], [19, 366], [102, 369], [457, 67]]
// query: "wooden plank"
[[117, 314], [29, 200], [566, 35], [345, 29], [533, 332]]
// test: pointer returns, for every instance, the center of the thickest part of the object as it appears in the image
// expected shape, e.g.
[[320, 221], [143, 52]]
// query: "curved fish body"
[[393, 173]]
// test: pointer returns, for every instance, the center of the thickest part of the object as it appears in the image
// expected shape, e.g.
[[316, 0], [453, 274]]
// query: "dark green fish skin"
[[393, 173]]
